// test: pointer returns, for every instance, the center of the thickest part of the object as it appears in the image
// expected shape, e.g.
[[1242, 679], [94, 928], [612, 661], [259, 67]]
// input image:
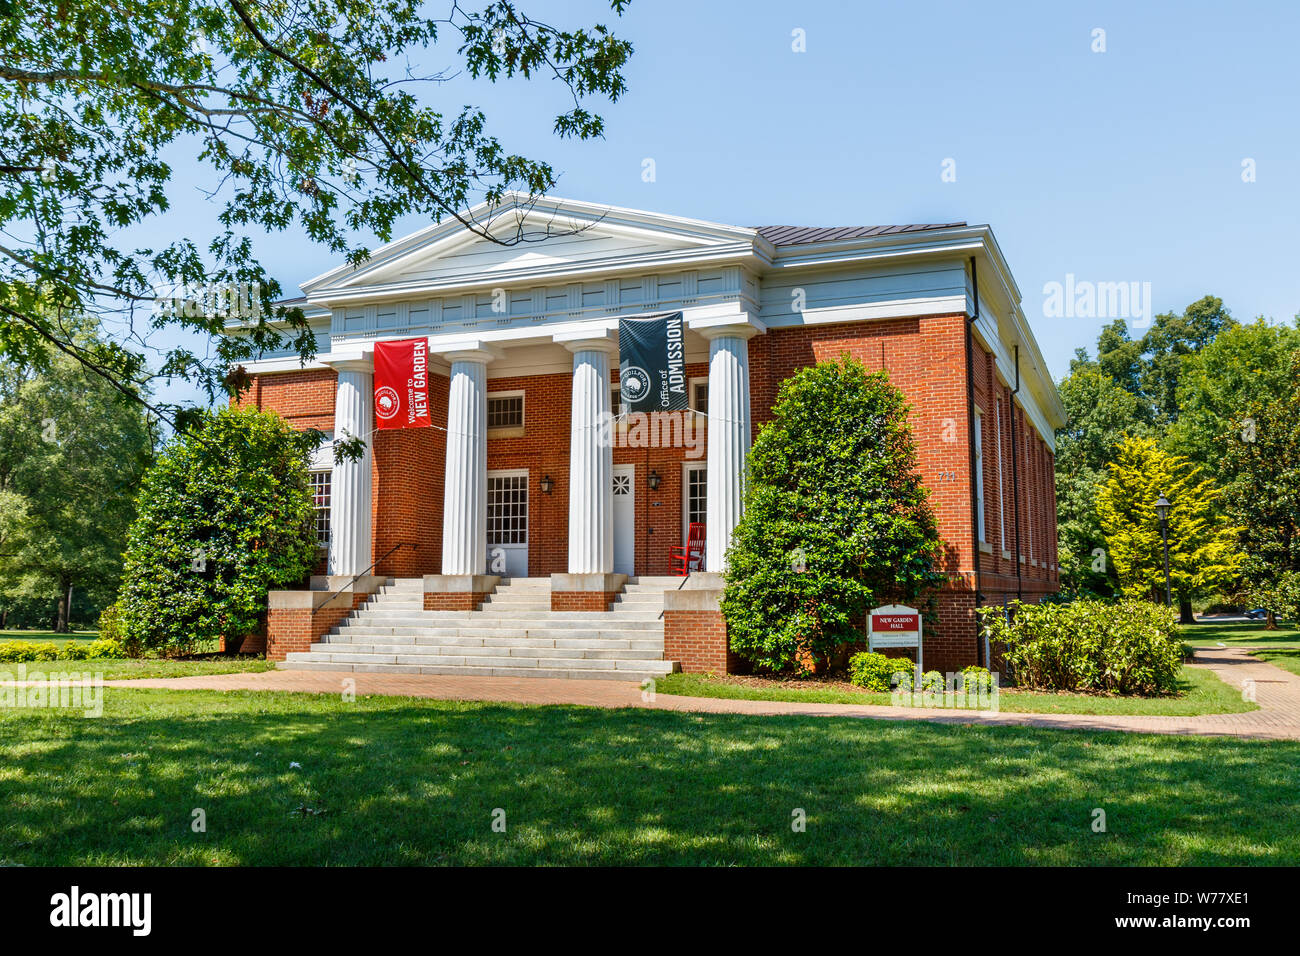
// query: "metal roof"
[[801, 235]]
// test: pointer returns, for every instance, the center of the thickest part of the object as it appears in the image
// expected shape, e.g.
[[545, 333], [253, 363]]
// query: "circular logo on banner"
[[633, 384], [386, 402]]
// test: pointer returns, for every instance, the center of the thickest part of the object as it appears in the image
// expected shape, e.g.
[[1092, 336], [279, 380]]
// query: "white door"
[[694, 497], [507, 523], [624, 519]]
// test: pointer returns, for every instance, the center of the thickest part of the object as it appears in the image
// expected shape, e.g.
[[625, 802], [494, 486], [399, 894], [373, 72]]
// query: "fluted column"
[[350, 484], [728, 438], [591, 460], [464, 503]]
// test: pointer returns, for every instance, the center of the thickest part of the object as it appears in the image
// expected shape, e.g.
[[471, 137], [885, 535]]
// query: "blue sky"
[[1117, 166]]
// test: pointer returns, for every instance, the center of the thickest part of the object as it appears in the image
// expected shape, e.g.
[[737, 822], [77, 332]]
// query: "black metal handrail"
[[359, 575]]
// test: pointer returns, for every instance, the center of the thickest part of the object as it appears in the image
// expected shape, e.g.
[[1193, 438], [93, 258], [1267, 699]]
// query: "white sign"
[[895, 625]]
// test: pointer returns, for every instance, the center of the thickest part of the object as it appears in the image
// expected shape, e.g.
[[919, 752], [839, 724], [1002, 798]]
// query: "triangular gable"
[[545, 235]]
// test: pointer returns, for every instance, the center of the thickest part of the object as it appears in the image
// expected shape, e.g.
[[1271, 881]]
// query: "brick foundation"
[[458, 601], [297, 619], [582, 600]]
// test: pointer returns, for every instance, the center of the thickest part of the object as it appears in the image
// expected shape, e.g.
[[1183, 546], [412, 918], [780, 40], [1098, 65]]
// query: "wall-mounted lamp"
[[653, 480], [546, 484]]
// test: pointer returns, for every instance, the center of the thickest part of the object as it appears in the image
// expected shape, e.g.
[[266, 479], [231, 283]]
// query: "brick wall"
[[924, 356], [698, 641]]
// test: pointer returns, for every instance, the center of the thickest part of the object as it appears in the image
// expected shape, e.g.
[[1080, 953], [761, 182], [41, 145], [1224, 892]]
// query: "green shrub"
[[105, 647], [112, 631], [225, 515], [1125, 647], [16, 652], [876, 671], [836, 520]]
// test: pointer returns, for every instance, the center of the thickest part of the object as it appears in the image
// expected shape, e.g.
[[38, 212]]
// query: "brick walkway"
[[1277, 693]]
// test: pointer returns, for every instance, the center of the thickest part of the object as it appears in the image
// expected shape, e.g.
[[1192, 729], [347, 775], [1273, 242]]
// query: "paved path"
[[1276, 690]]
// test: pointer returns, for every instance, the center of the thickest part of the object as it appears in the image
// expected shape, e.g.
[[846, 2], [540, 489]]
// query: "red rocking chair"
[[689, 557]]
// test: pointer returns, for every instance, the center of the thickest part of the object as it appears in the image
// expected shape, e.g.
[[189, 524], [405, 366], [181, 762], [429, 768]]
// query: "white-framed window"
[[319, 482], [507, 509], [616, 407], [979, 474], [505, 410], [700, 395], [1002, 504], [694, 497]]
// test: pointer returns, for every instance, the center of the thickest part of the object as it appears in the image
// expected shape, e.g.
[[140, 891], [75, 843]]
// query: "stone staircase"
[[514, 634]]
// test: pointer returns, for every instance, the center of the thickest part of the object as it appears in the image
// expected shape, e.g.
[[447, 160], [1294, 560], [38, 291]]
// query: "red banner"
[[402, 384]]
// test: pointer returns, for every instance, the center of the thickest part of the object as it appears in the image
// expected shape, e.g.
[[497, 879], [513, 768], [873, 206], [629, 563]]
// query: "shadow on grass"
[[392, 781]]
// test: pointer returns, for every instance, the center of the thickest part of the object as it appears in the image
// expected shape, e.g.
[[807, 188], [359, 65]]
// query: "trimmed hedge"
[[14, 652], [1099, 647]]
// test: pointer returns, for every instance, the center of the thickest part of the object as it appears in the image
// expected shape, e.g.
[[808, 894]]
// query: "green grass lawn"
[[403, 781], [48, 637], [113, 669], [1248, 633], [1203, 693], [1287, 658]]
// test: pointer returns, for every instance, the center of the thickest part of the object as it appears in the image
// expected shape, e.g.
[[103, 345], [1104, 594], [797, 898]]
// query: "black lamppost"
[[1162, 509]]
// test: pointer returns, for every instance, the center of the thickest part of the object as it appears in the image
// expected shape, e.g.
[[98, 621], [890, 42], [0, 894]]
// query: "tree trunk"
[[1270, 622], [65, 606], [1185, 615]]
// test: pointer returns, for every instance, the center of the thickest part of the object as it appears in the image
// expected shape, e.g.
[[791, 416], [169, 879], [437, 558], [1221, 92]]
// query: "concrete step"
[[331, 651], [633, 640], [636, 671], [354, 633], [378, 614]]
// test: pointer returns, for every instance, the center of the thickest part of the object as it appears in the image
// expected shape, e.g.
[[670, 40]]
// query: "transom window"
[[505, 411], [319, 482], [507, 509]]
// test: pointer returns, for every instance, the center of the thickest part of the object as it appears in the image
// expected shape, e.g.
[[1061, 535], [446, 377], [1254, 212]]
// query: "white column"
[[350, 484], [591, 460], [728, 438], [464, 500]]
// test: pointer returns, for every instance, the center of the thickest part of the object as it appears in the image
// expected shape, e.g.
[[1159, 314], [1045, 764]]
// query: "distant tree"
[[1244, 366], [1167, 345], [1203, 551], [225, 515], [1100, 414], [836, 520], [1261, 469], [72, 452]]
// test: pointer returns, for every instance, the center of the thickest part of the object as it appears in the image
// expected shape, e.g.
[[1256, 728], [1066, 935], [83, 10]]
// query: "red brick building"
[[518, 485]]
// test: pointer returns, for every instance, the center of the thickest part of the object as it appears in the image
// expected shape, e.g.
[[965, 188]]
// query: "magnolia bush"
[[1124, 647], [224, 516], [836, 520]]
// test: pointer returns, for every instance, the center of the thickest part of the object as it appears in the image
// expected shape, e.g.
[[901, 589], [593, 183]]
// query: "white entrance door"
[[624, 519], [694, 497], [507, 523]]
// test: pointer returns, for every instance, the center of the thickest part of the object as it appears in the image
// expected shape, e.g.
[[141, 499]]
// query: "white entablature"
[[584, 265]]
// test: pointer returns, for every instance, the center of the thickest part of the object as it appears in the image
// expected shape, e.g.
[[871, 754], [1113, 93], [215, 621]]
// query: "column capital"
[[729, 328], [359, 361], [474, 351], [595, 340]]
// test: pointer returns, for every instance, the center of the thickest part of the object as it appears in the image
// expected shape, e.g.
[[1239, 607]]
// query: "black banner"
[[652, 363]]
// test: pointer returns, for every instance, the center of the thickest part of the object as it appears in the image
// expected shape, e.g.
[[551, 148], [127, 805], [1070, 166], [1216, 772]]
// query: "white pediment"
[[535, 239]]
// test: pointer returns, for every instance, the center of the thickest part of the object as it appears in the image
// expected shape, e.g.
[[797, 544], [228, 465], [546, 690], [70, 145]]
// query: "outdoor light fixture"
[[1162, 510], [653, 480], [546, 484]]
